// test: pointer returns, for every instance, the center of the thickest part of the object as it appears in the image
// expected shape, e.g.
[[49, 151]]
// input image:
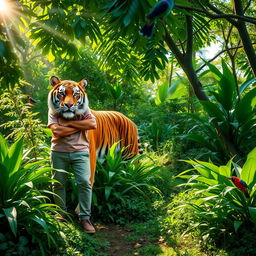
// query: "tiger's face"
[[68, 98]]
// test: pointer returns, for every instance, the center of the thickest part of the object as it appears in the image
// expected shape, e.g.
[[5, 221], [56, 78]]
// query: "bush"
[[24, 209], [120, 181], [220, 208], [132, 209], [229, 129], [20, 121], [77, 243]]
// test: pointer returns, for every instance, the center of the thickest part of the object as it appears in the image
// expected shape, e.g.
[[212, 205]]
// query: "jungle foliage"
[[25, 209]]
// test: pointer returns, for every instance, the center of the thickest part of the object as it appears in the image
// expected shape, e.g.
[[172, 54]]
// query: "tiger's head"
[[68, 98]]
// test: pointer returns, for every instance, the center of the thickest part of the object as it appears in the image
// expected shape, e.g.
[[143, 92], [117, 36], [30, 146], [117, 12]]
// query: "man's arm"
[[62, 131], [82, 125]]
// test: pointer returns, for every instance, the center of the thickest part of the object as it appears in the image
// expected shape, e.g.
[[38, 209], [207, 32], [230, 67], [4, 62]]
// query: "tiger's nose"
[[69, 105]]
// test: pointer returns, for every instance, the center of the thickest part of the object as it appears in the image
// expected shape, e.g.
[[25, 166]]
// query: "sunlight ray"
[[46, 27], [14, 26], [4, 7], [10, 36], [53, 31], [12, 23]]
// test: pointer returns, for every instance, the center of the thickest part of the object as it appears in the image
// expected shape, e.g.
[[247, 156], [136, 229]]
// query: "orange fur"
[[112, 126]]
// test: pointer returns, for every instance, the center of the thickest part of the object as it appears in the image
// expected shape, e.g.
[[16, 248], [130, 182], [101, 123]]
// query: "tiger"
[[112, 126]]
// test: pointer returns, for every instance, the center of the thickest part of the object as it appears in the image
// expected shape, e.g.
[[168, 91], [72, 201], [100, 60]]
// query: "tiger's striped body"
[[112, 126]]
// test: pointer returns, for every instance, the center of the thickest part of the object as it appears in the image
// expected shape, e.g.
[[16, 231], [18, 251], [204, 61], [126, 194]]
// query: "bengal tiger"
[[112, 126]]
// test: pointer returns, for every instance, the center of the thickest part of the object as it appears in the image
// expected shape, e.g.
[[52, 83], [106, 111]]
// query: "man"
[[70, 149]]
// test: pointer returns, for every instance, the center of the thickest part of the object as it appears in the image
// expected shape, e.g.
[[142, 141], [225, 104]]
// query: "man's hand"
[[62, 131], [82, 125], [63, 122], [67, 127]]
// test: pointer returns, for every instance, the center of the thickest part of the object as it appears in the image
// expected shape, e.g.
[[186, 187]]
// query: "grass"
[[144, 239], [78, 243], [153, 243], [160, 236]]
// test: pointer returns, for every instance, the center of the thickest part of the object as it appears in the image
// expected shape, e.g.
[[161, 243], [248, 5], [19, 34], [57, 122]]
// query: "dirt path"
[[115, 235]]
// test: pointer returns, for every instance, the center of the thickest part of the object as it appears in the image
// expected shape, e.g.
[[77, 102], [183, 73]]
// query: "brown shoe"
[[87, 226]]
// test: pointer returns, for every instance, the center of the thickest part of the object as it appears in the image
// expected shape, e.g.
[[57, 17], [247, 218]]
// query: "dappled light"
[[5, 7]]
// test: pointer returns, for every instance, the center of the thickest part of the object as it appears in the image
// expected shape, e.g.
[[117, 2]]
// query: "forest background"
[[186, 105]]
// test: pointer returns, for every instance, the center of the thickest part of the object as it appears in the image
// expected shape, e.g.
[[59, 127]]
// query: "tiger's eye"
[[61, 94]]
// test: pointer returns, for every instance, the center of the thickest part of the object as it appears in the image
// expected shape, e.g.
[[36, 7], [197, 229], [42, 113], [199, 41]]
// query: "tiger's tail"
[[140, 150]]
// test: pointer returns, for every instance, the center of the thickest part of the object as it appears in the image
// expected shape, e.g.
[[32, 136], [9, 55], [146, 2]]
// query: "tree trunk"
[[247, 45], [185, 61], [244, 35]]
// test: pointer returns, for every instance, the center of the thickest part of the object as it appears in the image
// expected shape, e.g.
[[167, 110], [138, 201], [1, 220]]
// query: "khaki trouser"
[[80, 163]]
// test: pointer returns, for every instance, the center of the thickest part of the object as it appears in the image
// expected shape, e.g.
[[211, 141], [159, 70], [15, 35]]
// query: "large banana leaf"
[[249, 169]]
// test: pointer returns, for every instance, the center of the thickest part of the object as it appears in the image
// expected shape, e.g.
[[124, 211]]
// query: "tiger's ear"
[[84, 83], [54, 80]]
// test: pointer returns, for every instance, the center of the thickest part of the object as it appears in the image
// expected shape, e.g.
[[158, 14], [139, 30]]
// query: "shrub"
[[132, 209], [24, 209], [219, 206], [117, 181], [20, 121], [156, 133], [232, 111], [78, 243]]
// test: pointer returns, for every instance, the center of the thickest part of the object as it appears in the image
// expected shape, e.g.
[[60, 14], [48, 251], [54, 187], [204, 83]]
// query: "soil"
[[115, 235]]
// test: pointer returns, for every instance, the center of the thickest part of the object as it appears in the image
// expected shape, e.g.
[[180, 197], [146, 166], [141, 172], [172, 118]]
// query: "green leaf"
[[213, 110], [177, 89], [48, 132], [133, 7], [107, 192], [226, 93], [15, 156], [11, 215], [3, 148], [199, 139], [227, 190], [214, 69], [40, 221], [229, 75], [4, 180], [163, 91], [225, 170], [115, 90], [238, 169], [249, 169], [237, 225], [50, 56], [244, 108], [252, 211], [109, 5], [247, 83]]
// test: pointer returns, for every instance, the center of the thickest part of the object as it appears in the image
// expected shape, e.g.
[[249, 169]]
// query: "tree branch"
[[194, 33], [244, 35], [189, 36], [181, 45], [220, 15], [217, 55], [238, 8], [247, 6], [219, 12], [171, 44], [186, 65]]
